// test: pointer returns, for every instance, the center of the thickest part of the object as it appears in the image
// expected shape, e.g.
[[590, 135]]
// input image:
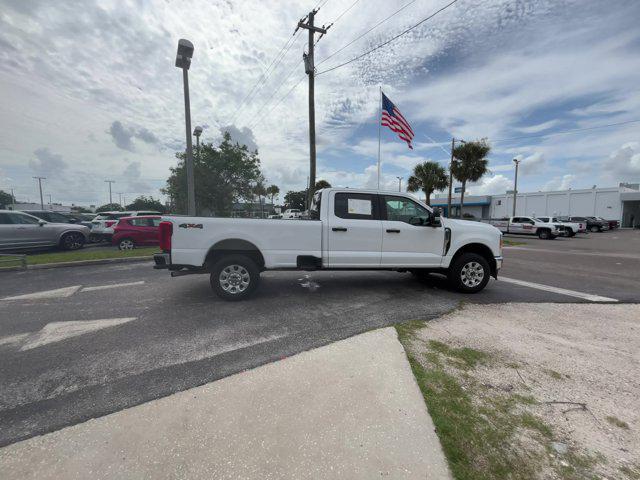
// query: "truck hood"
[[470, 225]]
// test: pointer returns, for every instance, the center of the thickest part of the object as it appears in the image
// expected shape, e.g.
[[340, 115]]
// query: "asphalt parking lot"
[[87, 341]]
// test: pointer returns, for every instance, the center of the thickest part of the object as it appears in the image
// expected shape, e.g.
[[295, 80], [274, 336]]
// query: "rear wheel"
[[571, 233], [469, 273], [126, 244], [72, 241], [234, 277]]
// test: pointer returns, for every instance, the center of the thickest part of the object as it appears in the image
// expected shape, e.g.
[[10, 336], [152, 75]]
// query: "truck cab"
[[344, 229]]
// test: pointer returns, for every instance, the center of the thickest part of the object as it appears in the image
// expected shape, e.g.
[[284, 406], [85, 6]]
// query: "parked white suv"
[[568, 229], [345, 229]]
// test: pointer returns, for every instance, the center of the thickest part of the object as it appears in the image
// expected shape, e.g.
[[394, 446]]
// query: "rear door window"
[[356, 206]]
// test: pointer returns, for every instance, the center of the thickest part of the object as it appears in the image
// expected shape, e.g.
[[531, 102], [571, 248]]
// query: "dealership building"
[[620, 203]]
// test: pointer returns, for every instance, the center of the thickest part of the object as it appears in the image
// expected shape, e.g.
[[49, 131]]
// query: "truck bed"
[[280, 241]]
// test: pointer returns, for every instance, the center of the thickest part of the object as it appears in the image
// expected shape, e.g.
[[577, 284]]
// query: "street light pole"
[[515, 186], [110, 182], [399, 183], [40, 186], [50, 202], [183, 61]]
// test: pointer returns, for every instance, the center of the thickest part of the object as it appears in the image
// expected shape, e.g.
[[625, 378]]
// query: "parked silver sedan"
[[19, 231]]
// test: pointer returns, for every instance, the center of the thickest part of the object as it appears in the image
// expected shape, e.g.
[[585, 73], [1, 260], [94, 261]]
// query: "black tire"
[[463, 273], [238, 269], [544, 234], [594, 228], [126, 244], [571, 233], [72, 241]]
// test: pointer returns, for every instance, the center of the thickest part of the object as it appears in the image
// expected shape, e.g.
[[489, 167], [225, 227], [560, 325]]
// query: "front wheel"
[[469, 273], [544, 234], [594, 229], [72, 241], [234, 277]]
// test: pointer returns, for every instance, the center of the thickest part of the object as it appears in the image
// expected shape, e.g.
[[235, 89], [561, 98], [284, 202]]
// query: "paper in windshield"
[[358, 206]]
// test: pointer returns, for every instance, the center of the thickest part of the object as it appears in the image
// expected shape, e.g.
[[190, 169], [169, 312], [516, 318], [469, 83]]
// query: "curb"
[[80, 263]]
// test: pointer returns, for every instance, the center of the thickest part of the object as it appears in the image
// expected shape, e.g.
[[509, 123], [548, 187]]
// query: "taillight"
[[165, 232]]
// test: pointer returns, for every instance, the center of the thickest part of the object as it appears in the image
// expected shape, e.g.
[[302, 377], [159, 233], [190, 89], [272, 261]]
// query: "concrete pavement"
[[348, 410]]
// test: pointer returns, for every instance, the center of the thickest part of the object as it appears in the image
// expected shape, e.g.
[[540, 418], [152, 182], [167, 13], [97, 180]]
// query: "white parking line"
[[114, 285], [57, 293], [560, 291]]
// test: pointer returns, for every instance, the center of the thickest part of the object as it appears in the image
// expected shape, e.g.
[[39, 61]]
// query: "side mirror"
[[434, 219], [41, 222]]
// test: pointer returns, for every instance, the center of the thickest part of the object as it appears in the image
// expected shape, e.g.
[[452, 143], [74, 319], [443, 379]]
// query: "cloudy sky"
[[89, 91]]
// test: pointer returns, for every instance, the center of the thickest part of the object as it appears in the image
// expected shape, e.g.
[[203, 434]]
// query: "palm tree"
[[322, 184], [272, 192], [428, 177], [470, 164]]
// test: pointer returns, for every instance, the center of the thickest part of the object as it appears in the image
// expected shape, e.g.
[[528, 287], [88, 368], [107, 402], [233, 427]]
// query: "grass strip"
[[88, 254]]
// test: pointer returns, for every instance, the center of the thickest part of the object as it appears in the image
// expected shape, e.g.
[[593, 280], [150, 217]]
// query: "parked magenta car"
[[132, 232]]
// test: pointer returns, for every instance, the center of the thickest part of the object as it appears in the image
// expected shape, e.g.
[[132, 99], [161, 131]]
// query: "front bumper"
[[498, 262], [161, 260]]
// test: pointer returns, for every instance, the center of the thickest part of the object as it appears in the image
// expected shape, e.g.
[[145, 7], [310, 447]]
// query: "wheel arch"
[[480, 249], [233, 246]]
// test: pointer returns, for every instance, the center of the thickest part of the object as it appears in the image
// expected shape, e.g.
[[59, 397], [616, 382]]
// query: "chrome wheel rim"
[[126, 245], [472, 274], [234, 279]]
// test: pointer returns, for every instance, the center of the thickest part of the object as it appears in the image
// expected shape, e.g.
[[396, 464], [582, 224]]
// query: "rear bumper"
[[161, 260]]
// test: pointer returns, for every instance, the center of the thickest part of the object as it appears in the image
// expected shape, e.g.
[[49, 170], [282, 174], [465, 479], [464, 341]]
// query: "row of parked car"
[[22, 230], [548, 228]]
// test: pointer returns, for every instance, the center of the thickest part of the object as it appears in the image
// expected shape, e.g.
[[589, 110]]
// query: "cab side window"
[[405, 210], [356, 206], [24, 219]]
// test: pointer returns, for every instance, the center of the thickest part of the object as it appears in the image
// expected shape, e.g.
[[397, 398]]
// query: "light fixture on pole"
[[515, 186], [196, 133], [183, 61], [399, 183]]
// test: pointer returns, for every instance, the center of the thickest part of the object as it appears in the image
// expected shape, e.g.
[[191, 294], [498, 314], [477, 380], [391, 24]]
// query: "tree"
[[260, 191], [223, 175], [146, 203], [428, 177], [295, 199], [109, 207], [5, 199], [322, 184], [470, 164], [272, 192]]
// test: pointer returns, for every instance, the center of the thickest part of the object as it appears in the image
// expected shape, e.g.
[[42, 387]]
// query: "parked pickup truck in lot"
[[347, 229], [527, 226], [593, 224], [568, 229]]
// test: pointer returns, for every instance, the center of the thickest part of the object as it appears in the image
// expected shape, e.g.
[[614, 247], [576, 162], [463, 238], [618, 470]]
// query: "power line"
[[365, 33], [267, 73], [574, 130], [338, 18], [260, 120], [390, 40]]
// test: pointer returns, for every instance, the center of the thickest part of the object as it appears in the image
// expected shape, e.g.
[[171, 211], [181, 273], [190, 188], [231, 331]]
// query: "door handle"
[[393, 230], [339, 229]]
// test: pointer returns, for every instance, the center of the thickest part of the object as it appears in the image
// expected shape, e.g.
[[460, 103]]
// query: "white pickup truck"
[[347, 229], [568, 229], [527, 226]]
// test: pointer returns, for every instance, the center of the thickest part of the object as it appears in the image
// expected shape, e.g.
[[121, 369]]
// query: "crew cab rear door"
[[407, 239], [354, 230]]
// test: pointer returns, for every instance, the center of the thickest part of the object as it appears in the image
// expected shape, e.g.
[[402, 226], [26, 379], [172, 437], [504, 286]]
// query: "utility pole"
[[515, 186], [453, 145], [309, 69], [119, 198], [40, 185], [110, 182], [399, 183], [50, 201], [13, 197], [183, 61]]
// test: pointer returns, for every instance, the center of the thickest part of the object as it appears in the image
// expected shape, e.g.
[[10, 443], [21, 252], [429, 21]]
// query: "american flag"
[[392, 118]]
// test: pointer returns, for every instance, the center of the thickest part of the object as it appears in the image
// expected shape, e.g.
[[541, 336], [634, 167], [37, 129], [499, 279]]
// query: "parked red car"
[[131, 232]]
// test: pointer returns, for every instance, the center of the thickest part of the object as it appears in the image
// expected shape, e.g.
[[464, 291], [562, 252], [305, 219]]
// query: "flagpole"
[[379, 127]]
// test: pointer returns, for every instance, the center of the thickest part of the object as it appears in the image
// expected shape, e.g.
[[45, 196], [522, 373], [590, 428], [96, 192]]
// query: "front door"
[[354, 231], [407, 239]]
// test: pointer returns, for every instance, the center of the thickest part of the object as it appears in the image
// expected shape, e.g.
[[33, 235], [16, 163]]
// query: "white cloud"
[[559, 183], [491, 185], [624, 163]]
